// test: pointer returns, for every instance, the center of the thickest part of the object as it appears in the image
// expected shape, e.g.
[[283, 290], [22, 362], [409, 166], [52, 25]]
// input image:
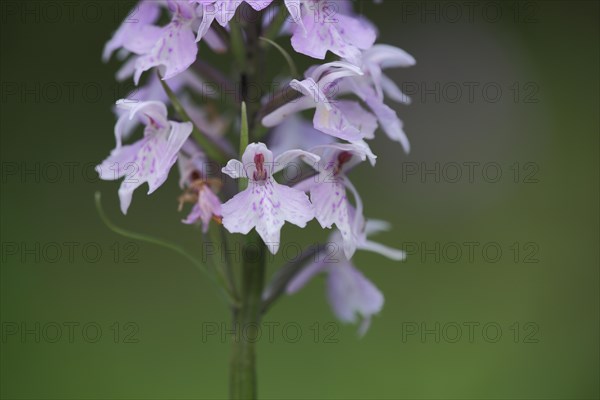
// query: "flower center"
[[259, 162], [342, 159]]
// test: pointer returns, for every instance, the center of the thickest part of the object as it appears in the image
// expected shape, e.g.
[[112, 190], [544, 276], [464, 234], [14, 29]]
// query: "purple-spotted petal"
[[120, 162], [341, 34], [266, 206], [175, 50], [331, 207]]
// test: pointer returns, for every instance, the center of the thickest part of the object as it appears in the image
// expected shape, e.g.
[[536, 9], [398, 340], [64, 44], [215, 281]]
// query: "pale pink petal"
[[237, 218], [175, 50], [166, 152], [266, 206], [387, 56], [392, 91], [276, 117], [284, 159], [235, 169], [342, 35], [351, 294], [386, 251], [331, 207], [331, 120], [364, 121], [389, 121], [120, 162], [145, 13]]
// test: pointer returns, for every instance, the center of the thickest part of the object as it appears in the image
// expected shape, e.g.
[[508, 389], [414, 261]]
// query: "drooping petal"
[[341, 34], [208, 16], [144, 40], [386, 251], [374, 226], [392, 91], [120, 162], [389, 121], [151, 163], [166, 152], [176, 50], [387, 56], [351, 294], [144, 14], [331, 207]]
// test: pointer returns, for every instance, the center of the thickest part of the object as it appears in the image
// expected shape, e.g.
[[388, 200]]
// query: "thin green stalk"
[[246, 319], [149, 239], [285, 54]]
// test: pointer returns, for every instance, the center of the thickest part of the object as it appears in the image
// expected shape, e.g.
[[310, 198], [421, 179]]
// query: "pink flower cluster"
[[347, 93]]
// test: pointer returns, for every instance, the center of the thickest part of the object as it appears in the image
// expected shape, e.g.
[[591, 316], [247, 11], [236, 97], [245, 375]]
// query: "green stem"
[[246, 321], [246, 318]]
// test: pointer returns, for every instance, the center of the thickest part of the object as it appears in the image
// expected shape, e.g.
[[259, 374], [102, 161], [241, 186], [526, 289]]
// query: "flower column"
[[246, 318]]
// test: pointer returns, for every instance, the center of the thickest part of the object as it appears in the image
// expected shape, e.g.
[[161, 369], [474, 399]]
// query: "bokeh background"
[[532, 115]]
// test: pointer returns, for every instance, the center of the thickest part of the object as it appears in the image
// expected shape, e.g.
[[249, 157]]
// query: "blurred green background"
[[154, 309]]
